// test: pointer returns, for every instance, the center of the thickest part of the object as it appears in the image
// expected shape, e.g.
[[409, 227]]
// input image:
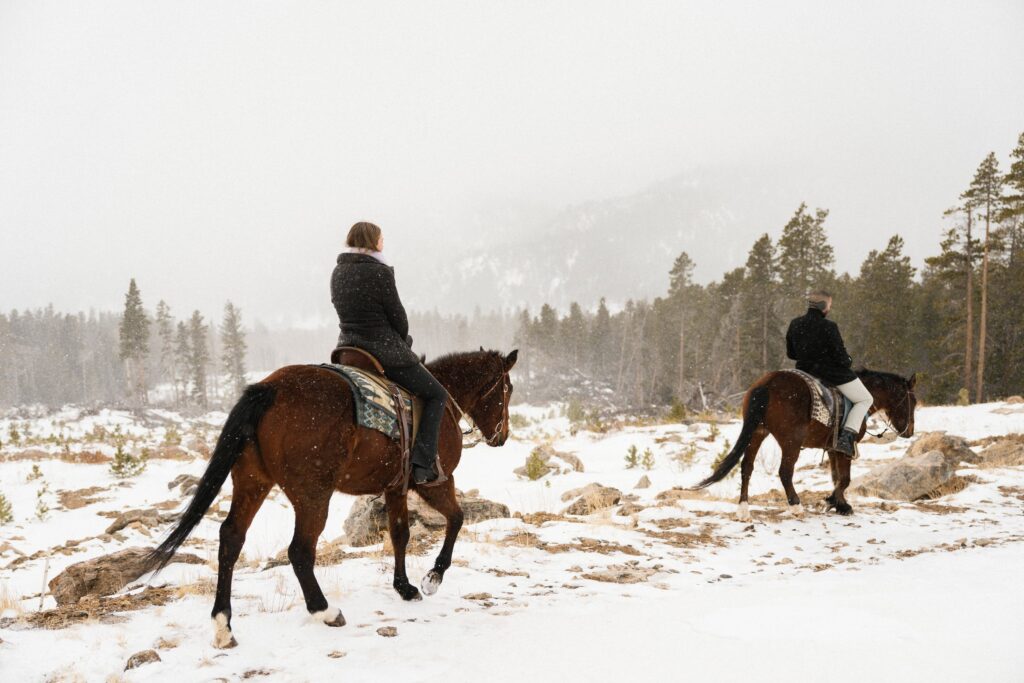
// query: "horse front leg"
[[442, 498], [398, 527]]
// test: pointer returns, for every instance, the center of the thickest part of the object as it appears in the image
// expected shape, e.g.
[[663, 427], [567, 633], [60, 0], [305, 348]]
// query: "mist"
[[220, 151]]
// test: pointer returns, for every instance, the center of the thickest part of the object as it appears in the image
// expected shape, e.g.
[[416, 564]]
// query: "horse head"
[[895, 395], [489, 410]]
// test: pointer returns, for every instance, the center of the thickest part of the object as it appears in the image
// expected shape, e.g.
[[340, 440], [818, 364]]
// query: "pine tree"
[[805, 258], [182, 361], [761, 333], [884, 295], [165, 332], [602, 343], [233, 351], [134, 337], [680, 285], [573, 333], [199, 358], [985, 193]]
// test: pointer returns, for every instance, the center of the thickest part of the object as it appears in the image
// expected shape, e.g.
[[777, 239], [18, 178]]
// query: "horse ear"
[[912, 381], [511, 359]]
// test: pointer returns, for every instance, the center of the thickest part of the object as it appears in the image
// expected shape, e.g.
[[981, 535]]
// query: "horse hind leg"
[[398, 527], [443, 499], [747, 469], [310, 519], [840, 465], [247, 496], [790, 453]]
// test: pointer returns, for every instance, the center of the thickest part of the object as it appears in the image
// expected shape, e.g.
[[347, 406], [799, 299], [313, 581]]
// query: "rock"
[[644, 483], [387, 631], [1006, 452], [368, 519], [106, 575], [1015, 399], [79, 498], [199, 446], [547, 454], [186, 483], [171, 453], [591, 498], [908, 478], [631, 572], [147, 518], [953, 448], [140, 658]]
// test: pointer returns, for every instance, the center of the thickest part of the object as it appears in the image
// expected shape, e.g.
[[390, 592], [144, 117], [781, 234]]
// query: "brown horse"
[[297, 429], [780, 404]]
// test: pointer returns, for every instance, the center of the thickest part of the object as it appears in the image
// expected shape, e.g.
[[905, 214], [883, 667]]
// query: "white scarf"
[[379, 255]]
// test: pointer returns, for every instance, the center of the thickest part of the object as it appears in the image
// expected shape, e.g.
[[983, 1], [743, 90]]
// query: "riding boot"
[[424, 469], [846, 441]]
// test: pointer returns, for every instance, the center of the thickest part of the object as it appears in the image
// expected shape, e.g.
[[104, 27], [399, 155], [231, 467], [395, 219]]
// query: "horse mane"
[[461, 367], [885, 377]]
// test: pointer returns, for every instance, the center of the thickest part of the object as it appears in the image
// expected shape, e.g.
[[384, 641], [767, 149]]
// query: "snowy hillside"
[[664, 584], [621, 248]]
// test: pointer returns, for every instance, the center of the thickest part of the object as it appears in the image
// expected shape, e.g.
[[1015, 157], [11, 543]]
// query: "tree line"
[[52, 359], [957, 323]]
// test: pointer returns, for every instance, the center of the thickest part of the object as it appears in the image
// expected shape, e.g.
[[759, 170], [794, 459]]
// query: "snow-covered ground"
[[909, 591]]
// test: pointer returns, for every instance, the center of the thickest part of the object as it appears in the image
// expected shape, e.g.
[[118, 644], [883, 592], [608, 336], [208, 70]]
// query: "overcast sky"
[[220, 150]]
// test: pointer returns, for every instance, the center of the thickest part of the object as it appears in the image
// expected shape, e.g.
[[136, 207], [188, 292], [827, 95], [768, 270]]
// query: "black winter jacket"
[[370, 314], [813, 341]]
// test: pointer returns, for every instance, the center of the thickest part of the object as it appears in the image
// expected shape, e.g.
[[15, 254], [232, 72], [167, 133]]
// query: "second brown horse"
[[779, 404], [296, 429]]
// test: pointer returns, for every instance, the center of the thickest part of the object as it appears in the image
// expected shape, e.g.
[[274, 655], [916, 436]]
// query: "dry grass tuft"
[[955, 484], [9, 601]]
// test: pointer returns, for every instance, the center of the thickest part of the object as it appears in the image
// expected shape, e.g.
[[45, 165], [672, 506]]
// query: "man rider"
[[816, 346]]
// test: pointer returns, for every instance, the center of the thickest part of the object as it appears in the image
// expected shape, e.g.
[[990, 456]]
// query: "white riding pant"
[[861, 397]]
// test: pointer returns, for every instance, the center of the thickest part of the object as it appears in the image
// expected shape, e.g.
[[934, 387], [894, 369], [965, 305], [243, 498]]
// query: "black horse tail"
[[751, 420], [239, 430]]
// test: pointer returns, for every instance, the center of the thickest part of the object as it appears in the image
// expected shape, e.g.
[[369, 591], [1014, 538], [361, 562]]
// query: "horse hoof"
[[408, 592], [222, 636], [430, 583], [331, 616], [743, 513], [797, 511], [845, 509]]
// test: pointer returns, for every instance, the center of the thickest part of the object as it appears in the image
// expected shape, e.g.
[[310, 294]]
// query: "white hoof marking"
[[797, 510], [331, 616], [222, 638], [430, 583], [743, 513]]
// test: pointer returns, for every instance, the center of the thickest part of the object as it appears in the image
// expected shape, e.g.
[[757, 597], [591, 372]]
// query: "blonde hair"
[[363, 235]]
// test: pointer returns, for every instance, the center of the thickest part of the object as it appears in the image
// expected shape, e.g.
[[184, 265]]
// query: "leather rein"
[[503, 381]]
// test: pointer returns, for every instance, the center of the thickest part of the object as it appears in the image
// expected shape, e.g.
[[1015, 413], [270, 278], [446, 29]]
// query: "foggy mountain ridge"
[[620, 248]]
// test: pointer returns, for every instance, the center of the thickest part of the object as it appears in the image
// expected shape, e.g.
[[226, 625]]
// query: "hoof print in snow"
[[140, 658], [387, 631]]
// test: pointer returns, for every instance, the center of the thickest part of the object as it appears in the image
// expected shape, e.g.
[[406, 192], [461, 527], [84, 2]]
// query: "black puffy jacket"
[[814, 342], [370, 313]]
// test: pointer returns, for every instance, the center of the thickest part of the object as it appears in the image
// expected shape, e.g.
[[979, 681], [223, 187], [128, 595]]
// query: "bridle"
[[503, 380], [887, 422]]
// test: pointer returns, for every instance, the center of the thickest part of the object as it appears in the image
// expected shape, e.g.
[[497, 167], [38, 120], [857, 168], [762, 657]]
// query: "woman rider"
[[817, 347], [372, 318]]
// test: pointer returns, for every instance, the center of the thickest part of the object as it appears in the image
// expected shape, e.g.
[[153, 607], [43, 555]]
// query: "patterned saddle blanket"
[[825, 399], [375, 408]]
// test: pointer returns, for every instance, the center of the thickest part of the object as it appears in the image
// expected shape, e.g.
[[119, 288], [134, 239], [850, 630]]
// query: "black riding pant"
[[418, 380]]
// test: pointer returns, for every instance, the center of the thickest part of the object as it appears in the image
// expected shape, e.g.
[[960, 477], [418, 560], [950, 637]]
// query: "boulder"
[[1006, 452], [644, 483], [954, 448], [140, 658], [147, 518], [547, 462], [908, 478], [1015, 399], [186, 483], [368, 519], [591, 498], [107, 574]]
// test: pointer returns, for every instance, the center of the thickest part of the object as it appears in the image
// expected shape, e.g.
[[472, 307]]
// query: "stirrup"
[[436, 481]]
